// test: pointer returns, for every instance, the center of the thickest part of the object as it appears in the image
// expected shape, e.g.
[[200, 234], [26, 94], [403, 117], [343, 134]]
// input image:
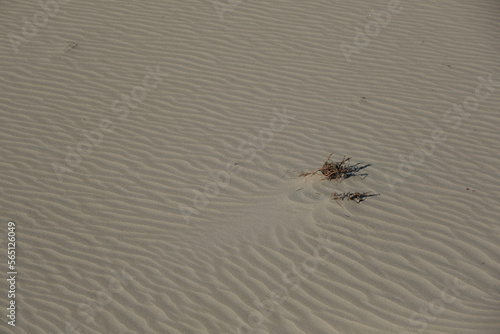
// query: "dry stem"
[[355, 196], [333, 170]]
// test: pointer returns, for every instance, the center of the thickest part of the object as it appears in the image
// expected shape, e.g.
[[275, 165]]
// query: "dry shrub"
[[355, 196], [339, 171], [333, 170]]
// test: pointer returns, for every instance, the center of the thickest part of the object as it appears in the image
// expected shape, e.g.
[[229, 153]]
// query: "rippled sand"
[[150, 154]]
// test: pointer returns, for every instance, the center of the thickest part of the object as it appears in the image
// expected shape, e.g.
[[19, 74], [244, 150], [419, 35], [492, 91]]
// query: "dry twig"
[[355, 196], [333, 170], [339, 171]]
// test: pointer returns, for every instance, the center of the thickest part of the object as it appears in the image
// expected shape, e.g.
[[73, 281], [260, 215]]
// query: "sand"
[[150, 154]]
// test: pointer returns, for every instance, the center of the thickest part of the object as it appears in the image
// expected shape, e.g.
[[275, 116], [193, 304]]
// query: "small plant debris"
[[339, 171], [355, 196], [333, 170]]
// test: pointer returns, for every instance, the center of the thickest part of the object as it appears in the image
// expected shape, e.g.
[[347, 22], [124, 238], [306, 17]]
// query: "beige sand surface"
[[150, 150]]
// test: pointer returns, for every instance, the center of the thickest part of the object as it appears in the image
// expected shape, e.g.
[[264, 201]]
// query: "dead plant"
[[333, 170], [349, 196]]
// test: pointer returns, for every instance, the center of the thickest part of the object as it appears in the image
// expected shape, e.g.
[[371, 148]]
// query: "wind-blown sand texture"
[[140, 106]]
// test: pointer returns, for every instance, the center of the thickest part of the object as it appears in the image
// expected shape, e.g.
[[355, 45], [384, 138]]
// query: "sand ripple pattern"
[[106, 248]]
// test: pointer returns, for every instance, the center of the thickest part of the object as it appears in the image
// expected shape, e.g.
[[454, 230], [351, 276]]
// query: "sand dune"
[[150, 155]]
